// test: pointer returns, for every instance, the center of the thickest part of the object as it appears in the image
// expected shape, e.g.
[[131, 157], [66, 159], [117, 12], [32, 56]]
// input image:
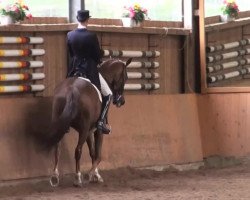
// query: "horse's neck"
[[106, 76], [106, 71]]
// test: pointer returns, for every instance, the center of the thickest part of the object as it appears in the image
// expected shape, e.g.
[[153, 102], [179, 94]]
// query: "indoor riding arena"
[[184, 130]]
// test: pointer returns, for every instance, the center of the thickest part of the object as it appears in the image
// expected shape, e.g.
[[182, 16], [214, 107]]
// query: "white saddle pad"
[[98, 92]]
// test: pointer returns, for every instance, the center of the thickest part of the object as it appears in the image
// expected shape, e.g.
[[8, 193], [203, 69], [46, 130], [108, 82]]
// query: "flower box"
[[134, 16], [17, 12], [6, 20], [230, 11], [227, 18], [126, 22]]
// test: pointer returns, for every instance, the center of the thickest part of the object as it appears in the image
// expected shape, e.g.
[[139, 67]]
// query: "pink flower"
[[8, 8], [144, 10], [29, 16], [131, 14], [15, 9], [131, 9]]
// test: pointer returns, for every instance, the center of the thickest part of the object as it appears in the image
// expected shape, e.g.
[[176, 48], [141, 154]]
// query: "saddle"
[[79, 73]]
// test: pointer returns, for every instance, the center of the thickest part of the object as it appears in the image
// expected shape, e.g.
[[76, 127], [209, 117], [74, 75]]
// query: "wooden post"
[[74, 6], [202, 44], [191, 54]]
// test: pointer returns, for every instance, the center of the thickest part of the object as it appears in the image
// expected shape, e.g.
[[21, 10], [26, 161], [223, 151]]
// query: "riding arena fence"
[[18, 67], [142, 73], [227, 62]]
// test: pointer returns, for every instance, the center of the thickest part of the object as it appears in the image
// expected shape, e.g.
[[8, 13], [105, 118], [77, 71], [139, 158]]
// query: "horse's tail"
[[62, 124]]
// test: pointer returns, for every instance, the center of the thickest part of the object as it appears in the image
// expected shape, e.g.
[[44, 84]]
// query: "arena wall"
[[144, 131], [147, 131]]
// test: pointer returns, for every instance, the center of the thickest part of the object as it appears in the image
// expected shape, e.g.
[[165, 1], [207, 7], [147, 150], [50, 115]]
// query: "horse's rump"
[[76, 104]]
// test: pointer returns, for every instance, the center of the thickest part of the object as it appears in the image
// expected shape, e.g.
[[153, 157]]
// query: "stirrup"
[[101, 126]]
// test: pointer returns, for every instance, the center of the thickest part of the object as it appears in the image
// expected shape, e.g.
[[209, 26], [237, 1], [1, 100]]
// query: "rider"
[[85, 51]]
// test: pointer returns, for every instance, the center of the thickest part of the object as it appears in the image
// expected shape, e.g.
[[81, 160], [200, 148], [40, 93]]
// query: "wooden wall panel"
[[170, 47], [171, 64], [148, 23], [170, 60], [133, 42], [45, 20], [217, 18], [246, 31], [225, 124], [224, 36], [55, 59]]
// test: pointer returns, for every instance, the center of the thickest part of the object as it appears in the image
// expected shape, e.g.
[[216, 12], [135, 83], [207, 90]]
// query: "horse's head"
[[115, 73]]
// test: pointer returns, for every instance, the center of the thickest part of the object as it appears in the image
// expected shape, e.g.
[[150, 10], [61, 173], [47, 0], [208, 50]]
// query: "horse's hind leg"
[[95, 148], [54, 180], [78, 154], [90, 142]]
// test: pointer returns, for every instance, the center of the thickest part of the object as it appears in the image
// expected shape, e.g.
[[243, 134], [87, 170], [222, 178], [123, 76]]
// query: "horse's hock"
[[145, 132]]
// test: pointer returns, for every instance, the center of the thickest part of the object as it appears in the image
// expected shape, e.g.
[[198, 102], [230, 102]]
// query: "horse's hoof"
[[78, 180], [54, 180], [95, 179], [100, 179], [77, 184]]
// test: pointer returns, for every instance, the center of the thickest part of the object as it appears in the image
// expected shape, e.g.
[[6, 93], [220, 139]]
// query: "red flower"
[[25, 7]]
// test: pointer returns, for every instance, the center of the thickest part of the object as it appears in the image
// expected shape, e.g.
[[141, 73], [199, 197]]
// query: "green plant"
[[230, 8], [135, 12], [17, 11]]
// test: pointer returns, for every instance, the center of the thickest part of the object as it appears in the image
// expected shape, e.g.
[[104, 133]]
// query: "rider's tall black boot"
[[101, 125]]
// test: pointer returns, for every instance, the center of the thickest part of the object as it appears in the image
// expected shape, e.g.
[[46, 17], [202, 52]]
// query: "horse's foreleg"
[[54, 180], [94, 175]]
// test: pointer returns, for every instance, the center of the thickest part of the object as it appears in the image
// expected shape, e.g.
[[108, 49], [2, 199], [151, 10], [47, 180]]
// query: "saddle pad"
[[98, 92]]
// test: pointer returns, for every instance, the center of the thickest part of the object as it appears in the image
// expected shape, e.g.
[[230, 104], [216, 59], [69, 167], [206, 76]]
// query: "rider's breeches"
[[104, 86]]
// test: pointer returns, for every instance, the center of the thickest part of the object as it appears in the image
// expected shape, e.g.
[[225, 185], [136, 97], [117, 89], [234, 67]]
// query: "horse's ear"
[[128, 61]]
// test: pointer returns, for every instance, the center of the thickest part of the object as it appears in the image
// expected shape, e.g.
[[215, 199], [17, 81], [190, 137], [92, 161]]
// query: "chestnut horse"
[[77, 104]]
